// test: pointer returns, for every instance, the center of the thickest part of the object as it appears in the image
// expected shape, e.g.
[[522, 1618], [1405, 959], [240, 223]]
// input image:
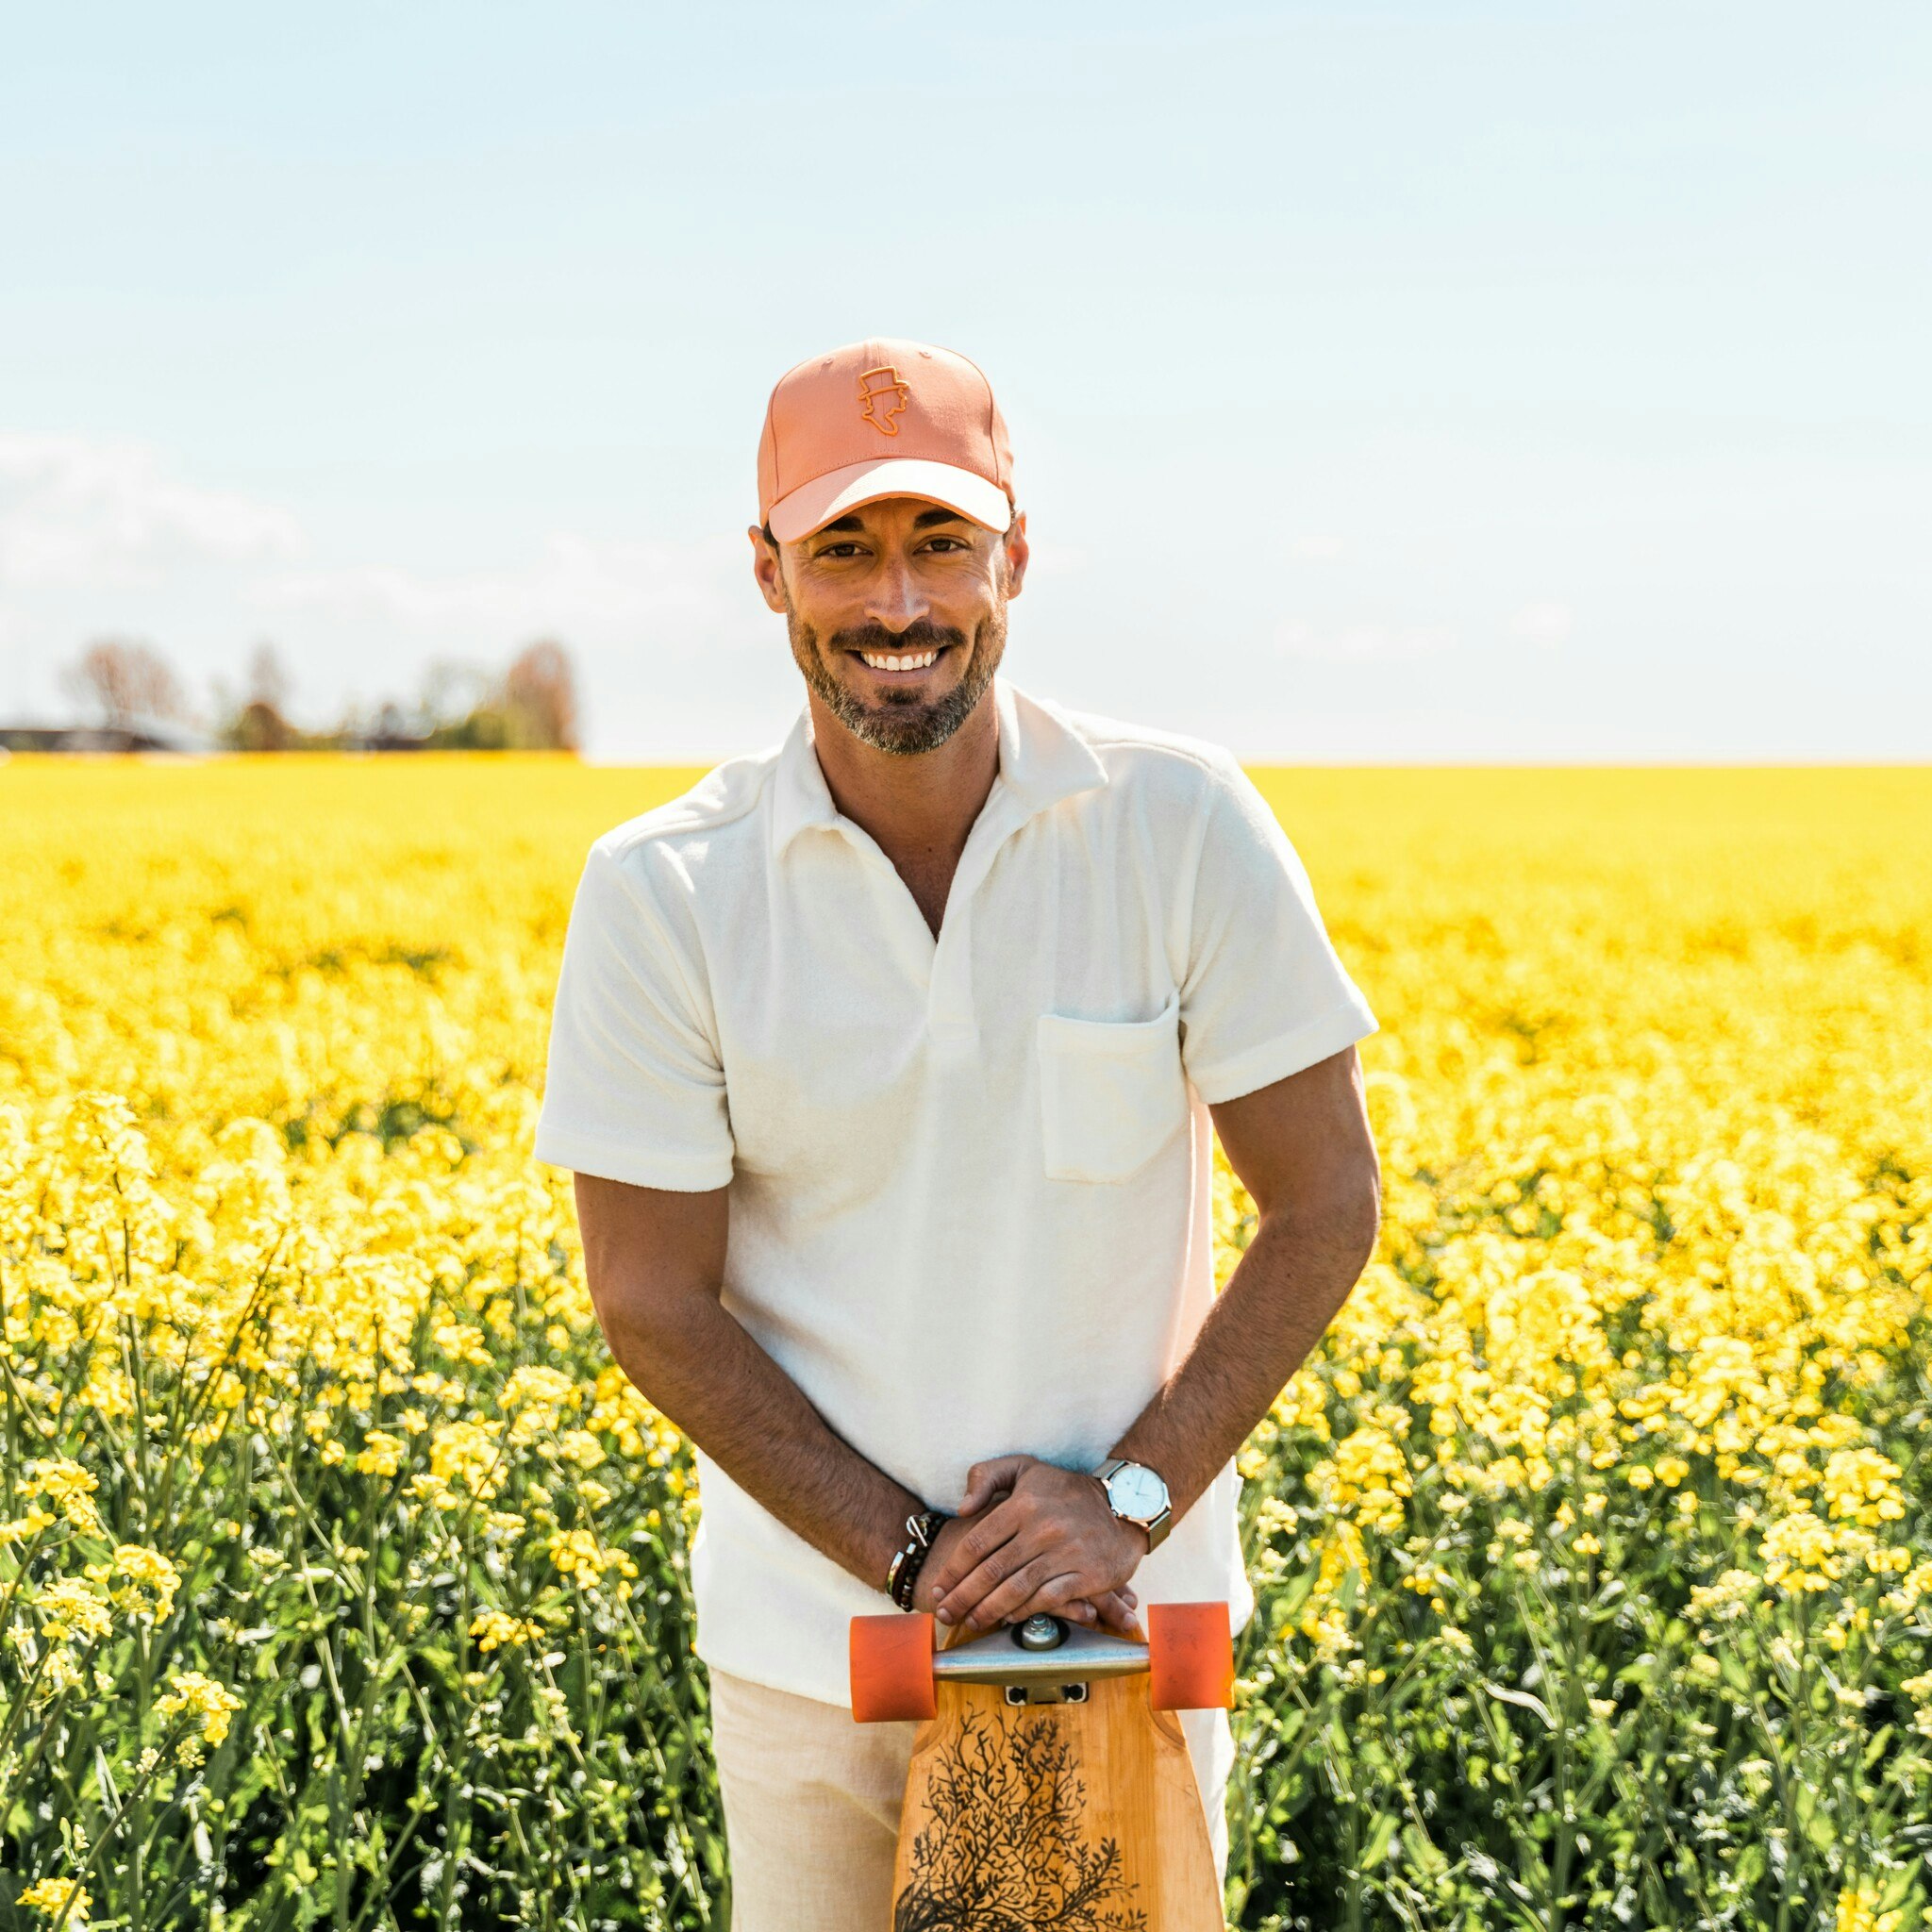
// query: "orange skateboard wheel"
[[1190, 1656], [891, 1667]]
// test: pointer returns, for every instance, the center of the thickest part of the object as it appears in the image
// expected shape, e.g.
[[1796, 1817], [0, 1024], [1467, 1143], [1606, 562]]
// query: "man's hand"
[[1113, 1609], [1049, 1543]]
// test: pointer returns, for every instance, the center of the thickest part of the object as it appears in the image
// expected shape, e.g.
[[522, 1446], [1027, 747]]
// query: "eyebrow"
[[855, 525]]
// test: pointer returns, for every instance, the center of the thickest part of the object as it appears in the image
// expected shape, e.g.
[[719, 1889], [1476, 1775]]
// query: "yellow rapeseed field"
[[342, 1578]]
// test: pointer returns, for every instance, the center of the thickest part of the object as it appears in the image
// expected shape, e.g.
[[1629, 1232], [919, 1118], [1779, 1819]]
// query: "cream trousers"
[[812, 1804]]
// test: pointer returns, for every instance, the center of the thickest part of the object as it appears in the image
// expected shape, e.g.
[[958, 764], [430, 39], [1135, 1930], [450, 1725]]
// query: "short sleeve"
[[634, 1089], [1265, 992]]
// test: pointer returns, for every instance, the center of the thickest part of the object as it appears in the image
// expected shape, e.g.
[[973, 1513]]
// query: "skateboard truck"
[[1189, 1657], [1055, 1661]]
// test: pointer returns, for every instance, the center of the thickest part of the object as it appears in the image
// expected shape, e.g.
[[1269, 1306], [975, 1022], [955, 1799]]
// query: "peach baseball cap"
[[882, 418]]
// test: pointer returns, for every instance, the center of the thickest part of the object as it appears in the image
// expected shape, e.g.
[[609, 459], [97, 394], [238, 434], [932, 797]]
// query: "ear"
[[1016, 551], [768, 568]]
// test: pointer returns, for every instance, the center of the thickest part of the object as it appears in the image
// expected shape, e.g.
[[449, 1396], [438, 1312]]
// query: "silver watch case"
[[1156, 1525]]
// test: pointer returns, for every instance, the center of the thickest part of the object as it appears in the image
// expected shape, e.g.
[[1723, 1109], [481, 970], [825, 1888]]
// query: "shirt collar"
[[1042, 760]]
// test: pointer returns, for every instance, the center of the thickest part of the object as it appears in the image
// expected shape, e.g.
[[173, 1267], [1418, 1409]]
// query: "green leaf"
[[1378, 1847]]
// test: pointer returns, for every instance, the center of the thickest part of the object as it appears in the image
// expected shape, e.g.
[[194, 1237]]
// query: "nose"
[[893, 598]]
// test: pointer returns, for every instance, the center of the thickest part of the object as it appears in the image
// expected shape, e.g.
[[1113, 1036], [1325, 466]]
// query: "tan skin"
[[1029, 1535]]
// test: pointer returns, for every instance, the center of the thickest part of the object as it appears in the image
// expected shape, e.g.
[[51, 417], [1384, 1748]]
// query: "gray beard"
[[904, 726]]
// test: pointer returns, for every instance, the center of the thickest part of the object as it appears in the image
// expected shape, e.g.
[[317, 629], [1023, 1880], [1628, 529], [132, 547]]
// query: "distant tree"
[[127, 681], [262, 722], [532, 707], [487, 728], [269, 682], [539, 694]]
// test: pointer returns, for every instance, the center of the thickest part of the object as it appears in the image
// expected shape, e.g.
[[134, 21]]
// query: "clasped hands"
[[1031, 1536]]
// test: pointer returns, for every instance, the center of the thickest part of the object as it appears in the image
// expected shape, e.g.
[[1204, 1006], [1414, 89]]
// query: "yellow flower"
[[380, 1453], [200, 1697], [463, 1342], [68, 1485], [495, 1629], [1862, 1483], [151, 1580], [468, 1453], [54, 1895], [69, 1608], [577, 1552], [1857, 1911], [1802, 1551]]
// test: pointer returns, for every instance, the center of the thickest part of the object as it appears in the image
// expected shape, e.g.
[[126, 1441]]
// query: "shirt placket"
[[952, 1016], [946, 964]]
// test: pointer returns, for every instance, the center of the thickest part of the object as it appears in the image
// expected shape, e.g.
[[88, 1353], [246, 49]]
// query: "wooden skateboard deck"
[[1078, 1817]]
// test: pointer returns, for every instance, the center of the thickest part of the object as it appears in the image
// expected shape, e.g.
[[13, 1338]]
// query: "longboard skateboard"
[[1050, 1785]]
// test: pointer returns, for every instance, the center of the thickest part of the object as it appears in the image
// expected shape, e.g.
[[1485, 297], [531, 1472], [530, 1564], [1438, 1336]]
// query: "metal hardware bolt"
[[1040, 1633]]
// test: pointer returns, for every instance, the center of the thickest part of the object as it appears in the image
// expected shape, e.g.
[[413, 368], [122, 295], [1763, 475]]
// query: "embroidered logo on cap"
[[881, 386]]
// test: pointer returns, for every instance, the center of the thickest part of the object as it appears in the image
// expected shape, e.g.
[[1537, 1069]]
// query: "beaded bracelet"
[[903, 1573]]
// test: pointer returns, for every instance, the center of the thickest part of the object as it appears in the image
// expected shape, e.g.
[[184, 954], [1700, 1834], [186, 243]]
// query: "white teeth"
[[912, 661]]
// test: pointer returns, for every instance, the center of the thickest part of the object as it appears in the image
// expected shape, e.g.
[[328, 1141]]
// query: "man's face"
[[897, 614]]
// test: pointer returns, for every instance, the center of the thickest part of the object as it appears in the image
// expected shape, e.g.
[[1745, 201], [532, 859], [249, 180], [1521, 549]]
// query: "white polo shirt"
[[971, 1178]]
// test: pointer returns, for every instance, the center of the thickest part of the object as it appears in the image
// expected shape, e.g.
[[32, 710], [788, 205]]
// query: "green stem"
[[113, 1825]]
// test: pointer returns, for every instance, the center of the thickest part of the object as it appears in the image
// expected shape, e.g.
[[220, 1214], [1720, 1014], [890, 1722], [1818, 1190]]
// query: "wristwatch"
[[1136, 1494]]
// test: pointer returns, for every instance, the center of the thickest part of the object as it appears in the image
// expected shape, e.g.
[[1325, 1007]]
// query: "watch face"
[[1136, 1492]]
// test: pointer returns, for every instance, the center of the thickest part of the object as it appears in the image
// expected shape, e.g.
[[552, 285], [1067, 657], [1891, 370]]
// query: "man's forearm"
[[706, 1373], [1285, 1291]]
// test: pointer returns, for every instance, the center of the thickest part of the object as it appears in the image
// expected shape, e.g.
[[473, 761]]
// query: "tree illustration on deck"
[[1004, 1849]]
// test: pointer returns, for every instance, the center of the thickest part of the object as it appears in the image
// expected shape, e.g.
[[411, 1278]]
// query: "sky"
[[1426, 383]]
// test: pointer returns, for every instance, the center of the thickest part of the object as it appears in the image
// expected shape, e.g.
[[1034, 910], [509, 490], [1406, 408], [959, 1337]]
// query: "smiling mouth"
[[901, 663]]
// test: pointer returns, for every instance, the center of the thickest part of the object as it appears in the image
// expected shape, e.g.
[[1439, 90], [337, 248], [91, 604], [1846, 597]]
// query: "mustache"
[[922, 635]]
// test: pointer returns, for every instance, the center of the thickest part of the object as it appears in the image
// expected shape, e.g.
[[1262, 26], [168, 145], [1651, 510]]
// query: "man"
[[889, 1061]]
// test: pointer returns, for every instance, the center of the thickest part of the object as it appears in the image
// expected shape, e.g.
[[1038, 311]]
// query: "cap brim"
[[813, 504]]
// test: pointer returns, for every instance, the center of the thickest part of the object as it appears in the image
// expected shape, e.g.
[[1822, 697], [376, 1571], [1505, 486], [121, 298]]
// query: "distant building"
[[146, 733], [389, 732]]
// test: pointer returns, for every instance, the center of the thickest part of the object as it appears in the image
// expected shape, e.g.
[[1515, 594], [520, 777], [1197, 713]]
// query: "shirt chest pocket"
[[1111, 1092]]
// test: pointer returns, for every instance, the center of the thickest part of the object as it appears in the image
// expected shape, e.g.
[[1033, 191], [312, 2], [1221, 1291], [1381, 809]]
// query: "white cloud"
[[1315, 548], [1541, 623], [75, 511], [1363, 644], [675, 596]]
